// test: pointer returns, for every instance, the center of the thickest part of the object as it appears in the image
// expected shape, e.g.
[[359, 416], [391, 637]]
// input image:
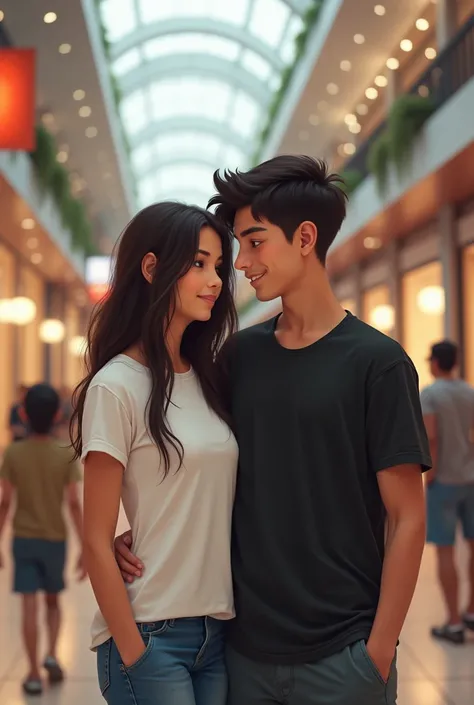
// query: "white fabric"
[[181, 525]]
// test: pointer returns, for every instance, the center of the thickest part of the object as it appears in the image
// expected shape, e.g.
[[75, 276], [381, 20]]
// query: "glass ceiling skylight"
[[197, 77]]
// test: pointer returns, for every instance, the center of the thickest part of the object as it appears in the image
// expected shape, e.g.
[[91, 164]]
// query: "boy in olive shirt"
[[40, 474]]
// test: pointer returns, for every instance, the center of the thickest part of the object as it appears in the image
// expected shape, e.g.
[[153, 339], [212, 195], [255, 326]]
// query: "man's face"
[[268, 260]]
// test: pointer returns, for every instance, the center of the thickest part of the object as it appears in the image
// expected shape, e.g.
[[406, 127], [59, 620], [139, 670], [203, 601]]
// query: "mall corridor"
[[430, 673]]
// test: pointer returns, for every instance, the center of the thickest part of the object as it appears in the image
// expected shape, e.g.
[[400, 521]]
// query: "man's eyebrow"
[[253, 229]]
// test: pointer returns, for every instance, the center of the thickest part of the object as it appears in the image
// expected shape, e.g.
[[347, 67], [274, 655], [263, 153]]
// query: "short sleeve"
[[7, 469], [426, 398], [106, 426], [396, 433]]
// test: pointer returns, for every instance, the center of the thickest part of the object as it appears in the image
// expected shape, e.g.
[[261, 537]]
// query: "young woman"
[[152, 430]]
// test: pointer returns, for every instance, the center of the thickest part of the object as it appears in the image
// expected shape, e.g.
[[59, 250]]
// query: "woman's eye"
[[199, 264], [256, 243]]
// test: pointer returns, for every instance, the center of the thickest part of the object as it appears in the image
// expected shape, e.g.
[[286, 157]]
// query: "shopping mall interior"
[[138, 101]]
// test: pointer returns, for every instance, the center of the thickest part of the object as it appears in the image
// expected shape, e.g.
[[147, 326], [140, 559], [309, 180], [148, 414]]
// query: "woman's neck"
[[174, 339]]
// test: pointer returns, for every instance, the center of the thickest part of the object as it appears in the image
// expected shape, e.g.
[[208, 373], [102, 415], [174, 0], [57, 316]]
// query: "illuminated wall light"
[[32, 243], [383, 317], [355, 128], [332, 89], [65, 48], [341, 151], [28, 224], [422, 24], [349, 148], [79, 94], [51, 331], [36, 258], [359, 38], [380, 10], [393, 64], [92, 132], [406, 45], [431, 300], [77, 346], [345, 65], [371, 93], [381, 81], [85, 111], [350, 119], [430, 53], [6, 311], [50, 17], [22, 310], [2, 16], [314, 120], [362, 109]]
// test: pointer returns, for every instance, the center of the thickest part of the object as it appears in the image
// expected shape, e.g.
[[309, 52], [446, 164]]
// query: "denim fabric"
[[447, 507], [183, 664]]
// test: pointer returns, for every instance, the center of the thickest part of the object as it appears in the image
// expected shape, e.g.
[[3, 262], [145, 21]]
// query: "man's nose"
[[241, 262]]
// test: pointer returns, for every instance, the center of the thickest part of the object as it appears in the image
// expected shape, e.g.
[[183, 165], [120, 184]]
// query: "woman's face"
[[198, 290]]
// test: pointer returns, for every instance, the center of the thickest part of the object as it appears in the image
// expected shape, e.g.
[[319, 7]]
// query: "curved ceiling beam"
[[191, 123], [187, 159], [184, 65], [196, 25]]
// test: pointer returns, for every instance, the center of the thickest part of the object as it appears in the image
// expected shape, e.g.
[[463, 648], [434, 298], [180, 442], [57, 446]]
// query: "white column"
[[450, 264], [446, 21]]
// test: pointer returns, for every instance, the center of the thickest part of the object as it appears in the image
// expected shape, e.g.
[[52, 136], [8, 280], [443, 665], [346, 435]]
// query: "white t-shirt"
[[180, 525]]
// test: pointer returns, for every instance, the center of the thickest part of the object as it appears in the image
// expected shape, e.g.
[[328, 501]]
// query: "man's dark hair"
[[41, 406], [286, 190], [446, 355]]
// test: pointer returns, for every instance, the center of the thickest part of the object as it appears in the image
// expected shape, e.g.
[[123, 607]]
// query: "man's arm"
[[7, 491], [401, 489]]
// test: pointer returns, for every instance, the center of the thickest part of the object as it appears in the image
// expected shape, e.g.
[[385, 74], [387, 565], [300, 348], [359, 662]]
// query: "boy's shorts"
[[449, 506], [38, 565]]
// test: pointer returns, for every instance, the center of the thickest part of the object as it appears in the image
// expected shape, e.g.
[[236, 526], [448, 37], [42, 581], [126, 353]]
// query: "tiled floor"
[[430, 673]]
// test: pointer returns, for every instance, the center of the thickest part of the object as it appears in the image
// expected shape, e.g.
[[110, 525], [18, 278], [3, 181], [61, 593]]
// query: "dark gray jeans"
[[348, 678]]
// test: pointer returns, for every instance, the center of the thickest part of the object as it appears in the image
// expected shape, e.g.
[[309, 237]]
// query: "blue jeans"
[[183, 664], [447, 507]]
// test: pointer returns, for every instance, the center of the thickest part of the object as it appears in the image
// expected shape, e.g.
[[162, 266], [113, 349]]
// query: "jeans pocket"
[[148, 641], [103, 665], [371, 665]]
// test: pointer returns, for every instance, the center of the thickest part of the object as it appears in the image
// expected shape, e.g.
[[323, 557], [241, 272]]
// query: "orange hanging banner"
[[17, 99]]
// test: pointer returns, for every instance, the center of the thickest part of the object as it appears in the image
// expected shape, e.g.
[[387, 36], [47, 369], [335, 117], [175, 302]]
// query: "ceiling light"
[[355, 128], [424, 91], [322, 105], [32, 243], [314, 119], [79, 94], [304, 135], [422, 24], [406, 45], [349, 148], [22, 310], [47, 119], [92, 132], [51, 331], [350, 119], [332, 89], [341, 151], [28, 224], [430, 53], [372, 243], [359, 38], [64, 48], [62, 156], [380, 81], [380, 10], [36, 258], [393, 64], [362, 109], [371, 93], [85, 111], [50, 17], [2, 16], [345, 65]]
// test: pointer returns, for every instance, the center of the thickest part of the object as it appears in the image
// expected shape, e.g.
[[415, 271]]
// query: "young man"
[[39, 473], [332, 444], [448, 408]]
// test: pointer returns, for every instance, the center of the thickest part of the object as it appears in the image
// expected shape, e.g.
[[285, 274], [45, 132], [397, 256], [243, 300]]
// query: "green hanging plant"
[[351, 179], [60, 187], [378, 160], [44, 157], [407, 116]]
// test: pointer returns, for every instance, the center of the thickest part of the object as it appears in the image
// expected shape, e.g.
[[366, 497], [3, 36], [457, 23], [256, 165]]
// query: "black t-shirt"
[[314, 426]]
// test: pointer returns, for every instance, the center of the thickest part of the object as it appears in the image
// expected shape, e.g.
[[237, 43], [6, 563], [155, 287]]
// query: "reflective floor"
[[430, 673]]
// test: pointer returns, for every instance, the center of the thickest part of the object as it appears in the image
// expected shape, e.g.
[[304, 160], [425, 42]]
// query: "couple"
[[327, 506]]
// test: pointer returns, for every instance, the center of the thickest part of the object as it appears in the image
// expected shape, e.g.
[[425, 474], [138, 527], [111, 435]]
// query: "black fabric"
[[314, 427]]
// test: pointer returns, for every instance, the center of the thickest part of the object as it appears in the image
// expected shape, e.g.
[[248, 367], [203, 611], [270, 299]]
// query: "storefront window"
[[377, 309], [468, 300], [7, 332], [423, 315]]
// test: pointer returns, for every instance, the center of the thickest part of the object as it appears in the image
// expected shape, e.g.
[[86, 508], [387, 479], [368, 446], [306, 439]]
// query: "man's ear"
[[308, 237], [149, 263]]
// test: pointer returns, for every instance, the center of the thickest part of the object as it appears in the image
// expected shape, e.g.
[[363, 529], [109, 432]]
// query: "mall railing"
[[453, 68]]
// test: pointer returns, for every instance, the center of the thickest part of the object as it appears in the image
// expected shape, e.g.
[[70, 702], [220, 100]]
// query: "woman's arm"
[[102, 489]]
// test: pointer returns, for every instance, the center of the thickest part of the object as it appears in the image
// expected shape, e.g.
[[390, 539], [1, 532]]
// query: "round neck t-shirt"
[[180, 523]]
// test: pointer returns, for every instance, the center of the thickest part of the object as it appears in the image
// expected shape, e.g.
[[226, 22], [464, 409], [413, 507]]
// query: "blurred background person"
[[448, 410], [17, 425], [39, 474]]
